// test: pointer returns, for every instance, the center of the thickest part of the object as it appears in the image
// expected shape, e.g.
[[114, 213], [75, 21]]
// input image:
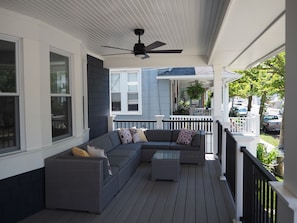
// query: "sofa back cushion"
[[114, 138], [175, 135], [158, 135], [103, 142]]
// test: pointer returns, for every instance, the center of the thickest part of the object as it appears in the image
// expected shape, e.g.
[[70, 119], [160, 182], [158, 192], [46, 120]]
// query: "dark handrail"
[[259, 199], [220, 139], [231, 146]]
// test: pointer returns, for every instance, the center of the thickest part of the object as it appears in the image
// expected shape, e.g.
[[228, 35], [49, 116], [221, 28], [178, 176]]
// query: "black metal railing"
[[220, 140], [147, 124], [231, 146], [259, 199], [205, 124]]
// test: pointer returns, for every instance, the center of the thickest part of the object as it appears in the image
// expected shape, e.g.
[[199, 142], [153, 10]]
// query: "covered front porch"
[[232, 184], [198, 196]]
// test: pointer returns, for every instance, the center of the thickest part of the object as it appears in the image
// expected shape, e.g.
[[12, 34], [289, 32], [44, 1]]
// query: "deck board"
[[198, 196]]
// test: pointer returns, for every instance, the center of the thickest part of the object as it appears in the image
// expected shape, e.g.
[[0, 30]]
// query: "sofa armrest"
[[74, 183], [201, 160]]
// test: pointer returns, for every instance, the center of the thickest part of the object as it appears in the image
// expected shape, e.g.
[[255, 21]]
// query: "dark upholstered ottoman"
[[165, 165]]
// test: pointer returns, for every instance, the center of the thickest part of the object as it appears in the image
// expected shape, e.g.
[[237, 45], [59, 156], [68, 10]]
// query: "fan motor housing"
[[139, 49]]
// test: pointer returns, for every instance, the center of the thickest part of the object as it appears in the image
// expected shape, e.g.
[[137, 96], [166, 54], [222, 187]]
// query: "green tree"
[[264, 80]]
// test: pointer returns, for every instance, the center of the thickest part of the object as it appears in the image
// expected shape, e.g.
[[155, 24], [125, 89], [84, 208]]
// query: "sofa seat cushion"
[[122, 152], [130, 146], [181, 147], [156, 145], [119, 161]]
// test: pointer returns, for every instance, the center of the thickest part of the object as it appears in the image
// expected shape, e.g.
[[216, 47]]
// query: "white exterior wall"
[[37, 39]]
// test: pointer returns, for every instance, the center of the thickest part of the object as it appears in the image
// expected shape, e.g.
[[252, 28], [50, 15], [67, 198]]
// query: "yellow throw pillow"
[[79, 152], [141, 135], [138, 135]]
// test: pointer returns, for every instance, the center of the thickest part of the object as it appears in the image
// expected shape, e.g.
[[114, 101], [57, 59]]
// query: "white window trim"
[[124, 93]]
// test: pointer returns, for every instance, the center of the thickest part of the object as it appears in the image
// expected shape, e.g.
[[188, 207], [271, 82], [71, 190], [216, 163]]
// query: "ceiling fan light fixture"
[[140, 55]]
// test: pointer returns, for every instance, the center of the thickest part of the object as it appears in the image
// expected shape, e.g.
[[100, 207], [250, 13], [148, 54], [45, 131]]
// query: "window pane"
[[132, 88], [115, 82], [61, 117], [132, 82], [59, 69], [132, 77], [7, 67], [9, 123], [116, 101], [133, 102]]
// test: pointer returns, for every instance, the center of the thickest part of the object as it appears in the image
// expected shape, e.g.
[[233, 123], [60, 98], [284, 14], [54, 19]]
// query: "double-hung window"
[[125, 89], [9, 94], [61, 112]]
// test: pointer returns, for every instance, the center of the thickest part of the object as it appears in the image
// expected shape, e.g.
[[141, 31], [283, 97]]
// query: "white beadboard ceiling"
[[230, 33]]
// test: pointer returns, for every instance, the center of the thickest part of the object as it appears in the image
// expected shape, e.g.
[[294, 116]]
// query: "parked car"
[[242, 112], [238, 112], [271, 123]]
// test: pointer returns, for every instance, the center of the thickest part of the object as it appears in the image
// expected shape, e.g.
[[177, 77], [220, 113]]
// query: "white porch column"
[[217, 103], [217, 90], [111, 123], [287, 192], [159, 121], [225, 102], [245, 141]]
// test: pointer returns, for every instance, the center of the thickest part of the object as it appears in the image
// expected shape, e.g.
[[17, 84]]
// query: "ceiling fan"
[[140, 50]]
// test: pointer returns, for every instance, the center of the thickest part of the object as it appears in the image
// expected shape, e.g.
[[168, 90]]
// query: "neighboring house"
[[141, 94]]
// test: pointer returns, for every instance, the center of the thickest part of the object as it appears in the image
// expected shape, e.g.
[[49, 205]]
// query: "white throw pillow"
[[95, 152]]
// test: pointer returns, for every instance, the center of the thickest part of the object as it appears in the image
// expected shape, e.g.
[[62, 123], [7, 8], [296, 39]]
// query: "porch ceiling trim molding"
[[203, 74]]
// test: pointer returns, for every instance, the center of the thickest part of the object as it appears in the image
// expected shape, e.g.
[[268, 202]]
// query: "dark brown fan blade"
[[154, 45], [113, 54], [117, 48], [164, 51]]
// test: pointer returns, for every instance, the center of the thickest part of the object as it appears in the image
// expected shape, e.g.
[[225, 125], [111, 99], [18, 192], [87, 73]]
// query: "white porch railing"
[[238, 125], [245, 125]]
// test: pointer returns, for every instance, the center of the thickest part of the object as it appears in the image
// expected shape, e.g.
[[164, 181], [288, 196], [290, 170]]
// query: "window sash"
[[61, 117], [9, 95], [61, 98], [8, 66]]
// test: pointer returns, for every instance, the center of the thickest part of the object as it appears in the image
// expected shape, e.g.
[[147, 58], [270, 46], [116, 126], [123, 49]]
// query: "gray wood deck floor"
[[199, 196]]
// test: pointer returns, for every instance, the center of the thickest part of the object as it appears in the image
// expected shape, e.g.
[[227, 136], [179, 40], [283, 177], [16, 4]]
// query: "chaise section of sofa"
[[83, 183]]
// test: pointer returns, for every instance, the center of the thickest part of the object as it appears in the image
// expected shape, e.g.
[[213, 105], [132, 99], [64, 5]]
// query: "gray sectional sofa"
[[84, 183]]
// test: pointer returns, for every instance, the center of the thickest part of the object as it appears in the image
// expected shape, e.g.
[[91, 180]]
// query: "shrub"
[[268, 159]]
